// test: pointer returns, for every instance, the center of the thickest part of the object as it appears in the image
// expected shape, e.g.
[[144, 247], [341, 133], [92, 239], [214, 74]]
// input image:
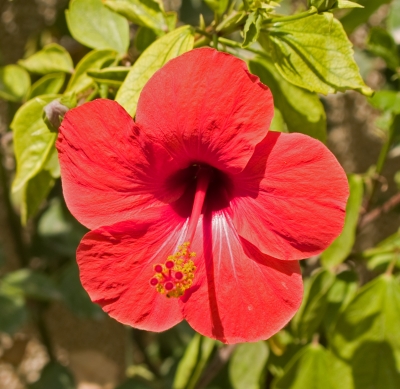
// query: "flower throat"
[[173, 277]]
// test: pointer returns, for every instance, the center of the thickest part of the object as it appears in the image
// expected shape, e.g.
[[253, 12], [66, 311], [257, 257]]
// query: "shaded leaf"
[[357, 17], [341, 247], [367, 336], [134, 383], [218, 6], [314, 53], [315, 302], [301, 109], [54, 376], [36, 191], [153, 58], [52, 58], [49, 84], [14, 83], [147, 13], [322, 5], [386, 100], [75, 296], [246, 367], [144, 38], [94, 60], [381, 44], [309, 368], [193, 362], [30, 284], [33, 142], [252, 28], [94, 25], [13, 312]]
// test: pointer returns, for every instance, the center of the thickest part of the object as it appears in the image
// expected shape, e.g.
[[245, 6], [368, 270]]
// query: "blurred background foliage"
[[346, 334]]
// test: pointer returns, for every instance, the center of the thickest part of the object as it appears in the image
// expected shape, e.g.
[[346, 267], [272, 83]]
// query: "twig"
[[217, 363], [385, 208]]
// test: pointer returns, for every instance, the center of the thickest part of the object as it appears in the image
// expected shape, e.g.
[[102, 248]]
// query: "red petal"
[[239, 294], [108, 171], [116, 265], [205, 106], [290, 200]]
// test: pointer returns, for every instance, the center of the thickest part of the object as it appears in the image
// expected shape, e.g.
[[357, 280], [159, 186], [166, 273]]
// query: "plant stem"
[[291, 18], [238, 45], [42, 327]]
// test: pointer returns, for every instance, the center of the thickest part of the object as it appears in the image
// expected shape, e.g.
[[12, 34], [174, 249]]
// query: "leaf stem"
[[238, 45]]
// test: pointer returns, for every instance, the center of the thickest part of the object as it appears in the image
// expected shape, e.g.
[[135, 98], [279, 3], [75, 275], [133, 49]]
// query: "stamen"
[[176, 274]]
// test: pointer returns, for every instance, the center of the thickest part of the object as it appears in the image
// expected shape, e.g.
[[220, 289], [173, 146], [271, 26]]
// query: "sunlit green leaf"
[[54, 376], [359, 16], [341, 247], [33, 142], [218, 6], [147, 13], [14, 83], [314, 305], [95, 59], [52, 58], [153, 58], [322, 5], [193, 362], [247, 364], [301, 109], [314, 53], [367, 335], [94, 25], [343, 4], [13, 312], [381, 43], [30, 284], [393, 19], [110, 76], [50, 84], [309, 368]]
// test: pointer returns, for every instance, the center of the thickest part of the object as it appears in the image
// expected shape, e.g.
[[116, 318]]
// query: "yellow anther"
[[173, 279]]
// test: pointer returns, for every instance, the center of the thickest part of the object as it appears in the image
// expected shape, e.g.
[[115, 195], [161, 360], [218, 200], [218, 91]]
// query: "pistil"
[[176, 275]]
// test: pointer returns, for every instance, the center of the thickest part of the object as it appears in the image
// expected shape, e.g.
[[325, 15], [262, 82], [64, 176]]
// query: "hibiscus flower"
[[198, 212]]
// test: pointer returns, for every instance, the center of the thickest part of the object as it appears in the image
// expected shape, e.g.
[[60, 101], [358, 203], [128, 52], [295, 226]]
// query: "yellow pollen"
[[176, 275]]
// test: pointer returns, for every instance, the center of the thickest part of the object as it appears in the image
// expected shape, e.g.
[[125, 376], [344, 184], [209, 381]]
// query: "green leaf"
[[278, 123], [393, 19], [144, 38], [94, 60], [134, 383], [146, 13], [13, 312], [386, 100], [309, 368], [357, 17], [94, 25], [30, 284], [75, 296], [52, 58], [379, 257], [314, 53], [246, 367], [50, 84], [193, 362], [341, 247], [252, 28], [33, 142], [301, 110], [339, 296], [36, 191], [54, 376], [153, 58], [312, 310], [14, 83], [218, 6], [231, 22], [322, 5], [381, 44], [367, 335], [343, 4], [110, 76]]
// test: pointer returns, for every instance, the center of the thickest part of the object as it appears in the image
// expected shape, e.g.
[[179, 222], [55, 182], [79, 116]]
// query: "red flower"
[[198, 166]]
